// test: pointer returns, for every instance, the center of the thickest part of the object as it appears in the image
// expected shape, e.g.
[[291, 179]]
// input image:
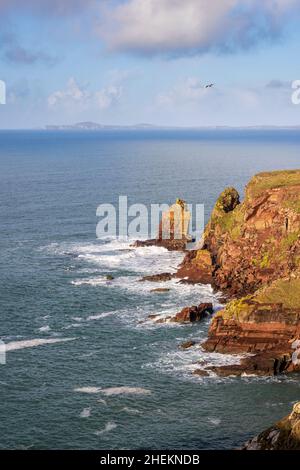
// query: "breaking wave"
[[114, 391], [32, 343], [110, 426]]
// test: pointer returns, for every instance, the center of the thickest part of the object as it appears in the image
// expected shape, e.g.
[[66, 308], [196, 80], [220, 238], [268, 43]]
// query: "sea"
[[81, 365]]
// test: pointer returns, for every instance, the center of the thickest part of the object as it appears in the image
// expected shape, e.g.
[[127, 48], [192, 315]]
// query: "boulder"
[[193, 314], [157, 277], [187, 344], [196, 268], [201, 373], [160, 290]]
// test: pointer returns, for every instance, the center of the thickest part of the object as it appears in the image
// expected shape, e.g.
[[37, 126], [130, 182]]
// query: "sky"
[[125, 62]]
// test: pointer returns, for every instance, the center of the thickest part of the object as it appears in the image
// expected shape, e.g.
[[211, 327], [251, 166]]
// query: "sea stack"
[[173, 228]]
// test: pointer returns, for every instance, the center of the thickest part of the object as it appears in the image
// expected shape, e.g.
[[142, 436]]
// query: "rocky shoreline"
[[250, 252]]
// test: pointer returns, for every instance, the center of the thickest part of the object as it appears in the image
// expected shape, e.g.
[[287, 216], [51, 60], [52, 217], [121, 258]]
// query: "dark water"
[[118, 383]]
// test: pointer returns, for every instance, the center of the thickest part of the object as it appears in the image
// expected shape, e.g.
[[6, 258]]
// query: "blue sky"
[[148, 61]]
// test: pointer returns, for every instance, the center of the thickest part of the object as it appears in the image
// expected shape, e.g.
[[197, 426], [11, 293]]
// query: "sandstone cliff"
[[251, 252], [254, 242]]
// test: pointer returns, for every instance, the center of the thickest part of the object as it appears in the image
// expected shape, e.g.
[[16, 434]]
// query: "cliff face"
[[284, 435], [255, 242], [254, 253]]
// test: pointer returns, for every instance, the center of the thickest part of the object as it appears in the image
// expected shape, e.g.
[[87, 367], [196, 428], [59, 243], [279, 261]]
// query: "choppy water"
[[85, 369]]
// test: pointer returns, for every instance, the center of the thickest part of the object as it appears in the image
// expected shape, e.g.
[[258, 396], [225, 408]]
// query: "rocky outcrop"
[[251, 252], [187, 344], [160, 290], [266, 324], [194, 313], [173, 229], [272, 362], [171, 245], [196, 267], [157, 277], [255, 242], [284, 435], [186, 315]]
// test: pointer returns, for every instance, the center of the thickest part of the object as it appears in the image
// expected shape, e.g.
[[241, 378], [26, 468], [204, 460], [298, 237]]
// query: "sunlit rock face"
[[173, 232], [251, 252]]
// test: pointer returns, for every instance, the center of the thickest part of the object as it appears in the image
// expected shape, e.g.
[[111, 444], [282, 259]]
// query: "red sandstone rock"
[[196, 267], [194, 313], [173, 229], [201, 373], [186, 315], [187, 344]]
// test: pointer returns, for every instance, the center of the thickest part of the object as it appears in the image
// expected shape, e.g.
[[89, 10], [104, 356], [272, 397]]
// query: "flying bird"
[[210, 85]]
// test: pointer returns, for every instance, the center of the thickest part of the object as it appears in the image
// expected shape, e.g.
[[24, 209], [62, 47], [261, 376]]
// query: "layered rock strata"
[[251, 252]]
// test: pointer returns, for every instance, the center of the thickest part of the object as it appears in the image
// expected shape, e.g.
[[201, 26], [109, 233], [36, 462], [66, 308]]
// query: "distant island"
[[94, 126]]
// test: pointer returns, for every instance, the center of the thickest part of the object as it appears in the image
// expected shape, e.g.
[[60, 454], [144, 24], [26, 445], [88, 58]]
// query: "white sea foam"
[[113, 391], [90, 390], [214, 421], [110, 426], [132, 411], [94, 281], [103, 402], [112, 254], [184, 362], [45, 328], [15, 345], [86, 413], [73, 325], [99, 316]]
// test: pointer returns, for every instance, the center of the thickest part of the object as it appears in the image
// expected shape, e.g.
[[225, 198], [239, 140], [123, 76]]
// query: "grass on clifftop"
[[270, 180], [281, 291], [285, 291]]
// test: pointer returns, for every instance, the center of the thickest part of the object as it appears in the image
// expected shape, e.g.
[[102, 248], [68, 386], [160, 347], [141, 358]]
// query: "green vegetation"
[[283, 291], [228, 214], [293, 204], [237, 309], [270, 180], [288, 241]]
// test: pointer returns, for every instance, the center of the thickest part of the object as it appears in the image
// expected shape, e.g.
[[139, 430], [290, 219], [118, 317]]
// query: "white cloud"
[[71, 94], [194, 26], [108, 96], [76, 95]]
